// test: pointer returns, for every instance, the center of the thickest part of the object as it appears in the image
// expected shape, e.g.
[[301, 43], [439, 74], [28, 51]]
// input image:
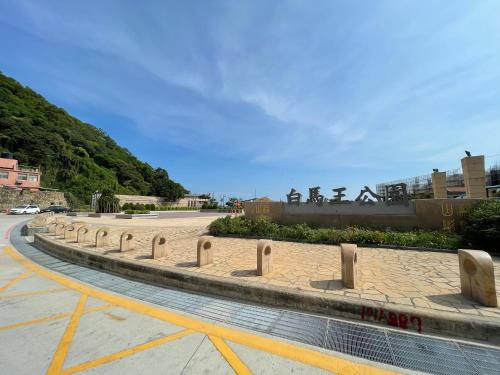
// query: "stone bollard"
[[264, 257], [204, 251], [61, 220], [82, 234], [60, 229], [71, 230], [102, 237], [52, 227], [160, 246], [349, 258], [477, 278], [127, 241]]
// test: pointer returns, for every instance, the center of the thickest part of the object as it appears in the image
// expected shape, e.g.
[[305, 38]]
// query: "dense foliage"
[[210, 206], [264, 228], [482, 225], [75, 157]]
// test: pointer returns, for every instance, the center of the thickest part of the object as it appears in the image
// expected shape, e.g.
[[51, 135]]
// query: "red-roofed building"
[[15, 176]]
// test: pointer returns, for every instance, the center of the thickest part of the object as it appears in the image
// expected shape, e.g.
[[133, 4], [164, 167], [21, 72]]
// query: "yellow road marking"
[[14, 280], [126, 352], [34, 293], [60, 354], [230, 356], [52, 317], [293, 352]]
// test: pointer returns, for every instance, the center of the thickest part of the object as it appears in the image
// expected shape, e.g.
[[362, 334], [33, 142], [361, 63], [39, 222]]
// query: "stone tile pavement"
[[413, 278]]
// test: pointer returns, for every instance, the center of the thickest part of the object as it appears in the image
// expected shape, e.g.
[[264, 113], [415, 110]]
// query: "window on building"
[[33, 177], [4, 175], [22, 177]]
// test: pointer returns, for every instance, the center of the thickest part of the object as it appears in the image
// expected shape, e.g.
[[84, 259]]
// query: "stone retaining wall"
[[10, 198]]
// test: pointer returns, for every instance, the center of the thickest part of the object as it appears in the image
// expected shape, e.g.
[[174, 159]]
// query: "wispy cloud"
[[388, 85]]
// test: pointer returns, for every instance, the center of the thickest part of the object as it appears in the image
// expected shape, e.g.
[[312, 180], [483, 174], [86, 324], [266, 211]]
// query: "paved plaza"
[[420, 279], [53, 324]]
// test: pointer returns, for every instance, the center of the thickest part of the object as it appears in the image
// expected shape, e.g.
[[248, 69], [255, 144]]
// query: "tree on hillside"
[[162, 186], [75, 157]]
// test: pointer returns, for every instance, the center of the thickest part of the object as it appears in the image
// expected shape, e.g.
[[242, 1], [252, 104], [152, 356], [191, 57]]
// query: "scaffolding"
[[420, 187]]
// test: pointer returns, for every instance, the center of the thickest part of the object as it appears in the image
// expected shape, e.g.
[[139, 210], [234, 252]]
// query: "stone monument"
[[474, 176], [439, 185]]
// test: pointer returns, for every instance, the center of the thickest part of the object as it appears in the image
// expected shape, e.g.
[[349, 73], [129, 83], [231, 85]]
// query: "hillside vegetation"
[[75, 157]]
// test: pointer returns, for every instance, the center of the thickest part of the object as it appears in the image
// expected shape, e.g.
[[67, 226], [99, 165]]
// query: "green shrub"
[[265, 228], [482, 225], [210, 206]]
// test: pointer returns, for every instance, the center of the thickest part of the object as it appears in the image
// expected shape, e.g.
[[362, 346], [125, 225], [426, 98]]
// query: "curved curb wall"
[[408, 318]]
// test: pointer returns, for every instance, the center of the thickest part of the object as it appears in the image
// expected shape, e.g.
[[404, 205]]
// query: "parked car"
[[56, 209], [25, 209]]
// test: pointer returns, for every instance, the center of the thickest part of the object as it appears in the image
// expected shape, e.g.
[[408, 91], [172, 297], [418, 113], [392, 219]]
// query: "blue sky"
[[241, 96]]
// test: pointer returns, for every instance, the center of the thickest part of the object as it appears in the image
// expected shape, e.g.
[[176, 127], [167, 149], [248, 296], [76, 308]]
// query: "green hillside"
[[75, 157]]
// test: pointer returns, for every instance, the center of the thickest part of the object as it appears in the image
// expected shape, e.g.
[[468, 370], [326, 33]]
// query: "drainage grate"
[[358, 340], [300, 327], [404, 350]]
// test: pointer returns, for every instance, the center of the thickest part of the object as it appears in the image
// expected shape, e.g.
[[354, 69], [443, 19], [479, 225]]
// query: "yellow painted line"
[[34, 293], [60, 354], [126, 352], [51, 318], [286, 350], [230, 356], [14, 280]]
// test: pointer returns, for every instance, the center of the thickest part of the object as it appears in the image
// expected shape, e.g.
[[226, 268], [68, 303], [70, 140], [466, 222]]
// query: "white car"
[[25, 209]]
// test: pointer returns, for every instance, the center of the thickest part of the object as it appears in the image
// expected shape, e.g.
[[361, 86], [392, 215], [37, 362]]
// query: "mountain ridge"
[[74, 156]]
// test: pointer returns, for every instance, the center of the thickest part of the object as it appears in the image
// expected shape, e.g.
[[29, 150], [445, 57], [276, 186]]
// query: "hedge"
[[482, 226], [265, 228]]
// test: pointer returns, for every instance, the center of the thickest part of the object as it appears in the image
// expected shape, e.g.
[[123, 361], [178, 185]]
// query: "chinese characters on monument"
[[394, 195]]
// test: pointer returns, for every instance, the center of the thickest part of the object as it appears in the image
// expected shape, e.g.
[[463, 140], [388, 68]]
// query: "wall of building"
[[434, 214], [141, 199], [10, 198], [188, 201], [15, 176]]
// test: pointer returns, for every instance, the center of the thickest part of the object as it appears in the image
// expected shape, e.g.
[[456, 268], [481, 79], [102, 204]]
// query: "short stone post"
[[70, 231], [264, 257], [61, 220], [52, 227], [159, 246], [127, 241], [102, 237], [60, 229], [204, 251], [477, 278], [439, 185], [349, 258], [82, 234]]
